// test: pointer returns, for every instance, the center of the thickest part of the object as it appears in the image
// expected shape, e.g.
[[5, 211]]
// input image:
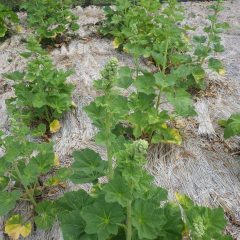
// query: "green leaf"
[[118, 191], [102, 218], [88, 166], [174, 225], [74, 26], [72, 226], [223, 25], [8, 201], [199, 39], [198, 74], [232, 126], [16, 76], [165, 81], [158, 58], [68, 210], [39, 100], [40, 130], [124, 79], [182, 102], [201, 51], [46, 215], [215, 64], [218, 47], [72, 201], [3, 182], [181, 59], [157, 194], [147, 219], [145, 83]]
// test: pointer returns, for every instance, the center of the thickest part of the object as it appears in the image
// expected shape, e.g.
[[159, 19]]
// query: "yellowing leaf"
[[177, 139], [73, 104], [184, 200], [52, 182], [125, 50], [56, 160], [15, 227], [19, 28], [164, 125], [185, 38], [116, 43], [55, 126], [222, 71]]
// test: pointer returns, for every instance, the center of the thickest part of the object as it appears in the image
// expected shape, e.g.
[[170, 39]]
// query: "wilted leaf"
[[56, 160], [116, 42], [167, 135], [54, 126], [16, 227]]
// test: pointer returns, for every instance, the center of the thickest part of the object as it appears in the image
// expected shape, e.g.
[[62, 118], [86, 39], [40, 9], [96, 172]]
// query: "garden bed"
[[204, 167]]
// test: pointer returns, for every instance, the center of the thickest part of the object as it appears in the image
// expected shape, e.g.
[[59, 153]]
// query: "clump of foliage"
[[156, 31], [22, 167], [231, 125], [50, 19], [140, 115], [14, 4], [129, 206], [8, 18], [41, 92]]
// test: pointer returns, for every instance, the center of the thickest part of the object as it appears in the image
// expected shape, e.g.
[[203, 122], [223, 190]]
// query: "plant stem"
[[108, 142], [28, 192], [110, 161], [211, 33], [165, 56], [136, 63], [158, 100], [163, 69], [129, 220]]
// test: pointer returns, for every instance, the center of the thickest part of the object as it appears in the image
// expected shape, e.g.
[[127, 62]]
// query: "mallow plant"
[[51, 20], [128, 205], [42, 94], [8, 20], [141, 113], [149, 29], [24, 177]]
